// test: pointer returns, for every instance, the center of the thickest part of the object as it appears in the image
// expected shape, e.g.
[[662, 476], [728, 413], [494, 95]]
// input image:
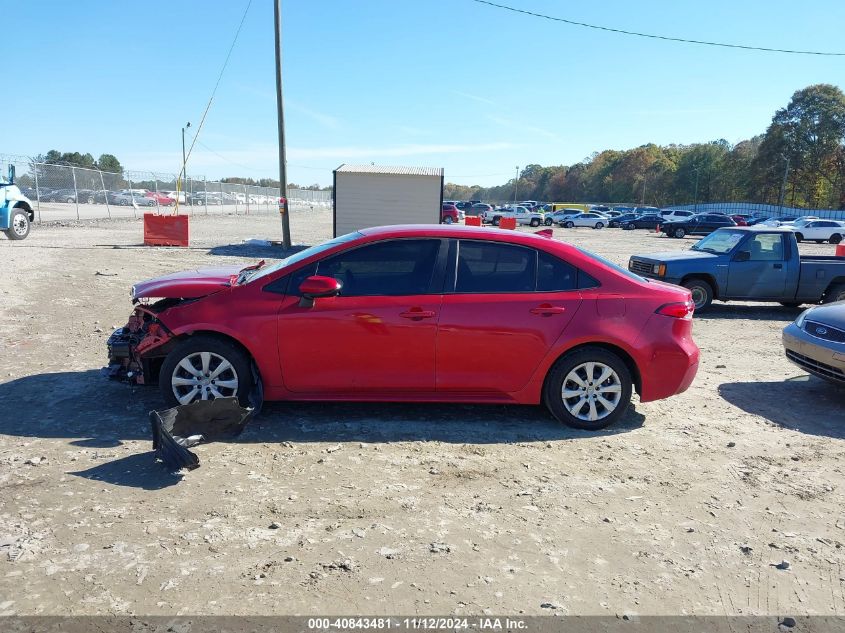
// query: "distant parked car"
[[161, 199], [102, 196], [180, 196], [649, 221], [819, 231], [702, 224], [448, 213], [600, 208], [619, 220], [672, 215], [647, 210], [127, 200], [59, 195], [815, 342], [592, 220], [478, 209], [740, 221], [560, 216]]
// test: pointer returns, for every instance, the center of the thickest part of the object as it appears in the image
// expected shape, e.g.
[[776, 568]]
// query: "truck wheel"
[[588, 389], [19, 225], [835, 238], [799, 237], [569, 225], [679, 233], [835, 293], [496, 220], [702, 293], [204, 368], [548, 222], [534, 222]]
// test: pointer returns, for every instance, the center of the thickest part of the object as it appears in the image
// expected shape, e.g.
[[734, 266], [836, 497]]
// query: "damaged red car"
[[416, 313]]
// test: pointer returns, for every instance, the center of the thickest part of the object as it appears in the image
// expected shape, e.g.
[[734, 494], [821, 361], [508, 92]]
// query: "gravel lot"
[[684, 508]]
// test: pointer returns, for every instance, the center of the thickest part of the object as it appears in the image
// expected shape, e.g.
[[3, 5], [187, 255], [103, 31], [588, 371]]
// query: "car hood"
[[832, 314], [670, 256], [186, 285]]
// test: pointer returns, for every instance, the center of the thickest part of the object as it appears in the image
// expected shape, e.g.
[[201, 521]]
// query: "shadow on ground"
[[760, 312], [803, 403], [91, 411]]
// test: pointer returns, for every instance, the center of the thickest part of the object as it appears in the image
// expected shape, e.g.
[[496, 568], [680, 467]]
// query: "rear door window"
[[491, 267]]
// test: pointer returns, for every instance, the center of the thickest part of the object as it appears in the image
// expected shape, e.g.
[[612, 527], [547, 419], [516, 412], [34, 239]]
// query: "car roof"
[[459, 231]]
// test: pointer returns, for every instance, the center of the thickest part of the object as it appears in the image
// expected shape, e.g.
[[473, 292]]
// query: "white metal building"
[[375, 195]]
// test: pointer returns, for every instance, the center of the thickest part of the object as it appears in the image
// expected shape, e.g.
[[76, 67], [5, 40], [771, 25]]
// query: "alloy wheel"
[[591, 391], [203, 376]]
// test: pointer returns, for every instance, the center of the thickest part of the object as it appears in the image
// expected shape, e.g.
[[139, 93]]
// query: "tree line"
[[799, 161]]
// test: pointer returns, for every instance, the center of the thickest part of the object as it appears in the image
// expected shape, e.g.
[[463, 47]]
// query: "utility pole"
[[783, 185], [283, 186], [515, 185], [695, 196]]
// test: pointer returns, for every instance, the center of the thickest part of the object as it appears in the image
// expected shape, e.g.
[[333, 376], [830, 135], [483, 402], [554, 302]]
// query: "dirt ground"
[[683, 508]]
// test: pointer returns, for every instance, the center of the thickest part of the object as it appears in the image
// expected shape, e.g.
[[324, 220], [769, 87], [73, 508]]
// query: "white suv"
[[676, 215]]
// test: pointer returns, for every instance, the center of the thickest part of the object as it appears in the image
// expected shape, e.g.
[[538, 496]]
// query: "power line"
[[659, 37]]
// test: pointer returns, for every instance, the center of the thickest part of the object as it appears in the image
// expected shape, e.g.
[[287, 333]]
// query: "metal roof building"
[[375, 195]]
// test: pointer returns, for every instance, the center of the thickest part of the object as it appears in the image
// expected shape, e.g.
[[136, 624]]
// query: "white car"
[[592, 220], [560, 216], [676, 215], [521, 214], [172, 194], [818, 231]]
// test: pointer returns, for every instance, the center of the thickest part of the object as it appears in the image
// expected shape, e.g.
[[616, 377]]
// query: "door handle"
[[416, 314], [547, 310], [778, 265]]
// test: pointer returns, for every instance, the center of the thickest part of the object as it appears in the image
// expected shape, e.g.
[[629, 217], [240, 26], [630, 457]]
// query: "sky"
[[456, 84]]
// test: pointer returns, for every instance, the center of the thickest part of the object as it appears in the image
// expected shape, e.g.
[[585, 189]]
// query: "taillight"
[[678, 310]]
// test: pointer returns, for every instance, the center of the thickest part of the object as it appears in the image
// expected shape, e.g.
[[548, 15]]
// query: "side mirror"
[[316, 287], [742, 256], [11, 174]]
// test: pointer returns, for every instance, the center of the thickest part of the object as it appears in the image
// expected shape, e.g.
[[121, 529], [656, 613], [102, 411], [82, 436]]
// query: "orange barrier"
[[840, 250], [472, 220], [507, 223], [165, 230]]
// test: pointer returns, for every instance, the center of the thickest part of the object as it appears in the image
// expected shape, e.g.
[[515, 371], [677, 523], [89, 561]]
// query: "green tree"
[[108, 162]]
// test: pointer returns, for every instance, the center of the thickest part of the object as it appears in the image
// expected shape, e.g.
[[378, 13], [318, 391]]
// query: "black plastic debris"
[[177, 429]]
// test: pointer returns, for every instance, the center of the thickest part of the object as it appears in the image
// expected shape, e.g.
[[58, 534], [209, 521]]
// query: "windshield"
[[298, 257], [719, 242]]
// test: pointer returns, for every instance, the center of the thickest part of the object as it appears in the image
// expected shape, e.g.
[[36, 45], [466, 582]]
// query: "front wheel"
[[599, 225], [534, 222], [447, 219], [835, 239], [702, 293], [628, 227], [19, 226], [835, 293], [588, 389], [204, 368], [569, 225], [799, 237], [679, 233], [70, 200], [496, 220], [548, 222]]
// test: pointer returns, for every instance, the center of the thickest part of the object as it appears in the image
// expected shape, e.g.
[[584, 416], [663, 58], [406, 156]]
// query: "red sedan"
[[416, 313]]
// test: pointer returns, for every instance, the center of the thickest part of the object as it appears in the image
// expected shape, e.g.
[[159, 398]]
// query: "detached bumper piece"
[[177, 429]]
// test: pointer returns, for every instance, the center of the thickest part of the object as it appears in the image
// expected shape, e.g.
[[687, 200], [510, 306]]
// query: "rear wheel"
[[835, 293], [628, 227], [799, 237], [496, 220], [548, 222], [70, 200], [589, 388], [702, 293], [599, 225], [679, 233], [569, 224], [204, 368], [447, 219], [836, 238]]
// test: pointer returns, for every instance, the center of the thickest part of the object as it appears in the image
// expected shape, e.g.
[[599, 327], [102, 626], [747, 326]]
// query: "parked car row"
[[142, 197]]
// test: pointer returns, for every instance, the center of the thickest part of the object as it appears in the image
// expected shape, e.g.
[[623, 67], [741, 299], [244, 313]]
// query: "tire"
[[19, 225], [835, 238], [799, 237], [496, 220], [835, 293], [91, 200], [679, 233], [790, 304], [571, 374], [447, 219], [628, 227], [534, 222], [702, 293], [598, 225], [237, 374], [70, 200], [569, 225], [548, 222], [123, 203]]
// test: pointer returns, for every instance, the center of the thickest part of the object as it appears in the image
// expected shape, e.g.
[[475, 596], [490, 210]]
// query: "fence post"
[[75, 192], [37, 193], [105, 195]]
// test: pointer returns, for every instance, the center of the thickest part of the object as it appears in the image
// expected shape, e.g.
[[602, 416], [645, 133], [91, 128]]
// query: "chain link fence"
[[65, 192]]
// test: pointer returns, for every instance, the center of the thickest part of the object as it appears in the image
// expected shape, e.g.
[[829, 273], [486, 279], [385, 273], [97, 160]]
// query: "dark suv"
[[702, 224]]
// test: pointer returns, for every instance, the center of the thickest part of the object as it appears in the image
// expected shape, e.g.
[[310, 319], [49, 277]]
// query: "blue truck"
[[747, 263], [16, 214]]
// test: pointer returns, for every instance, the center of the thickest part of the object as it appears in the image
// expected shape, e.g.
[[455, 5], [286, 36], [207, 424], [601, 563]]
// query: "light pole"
[[783, 185], [515, 185], [695, 195], [184, 160]]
